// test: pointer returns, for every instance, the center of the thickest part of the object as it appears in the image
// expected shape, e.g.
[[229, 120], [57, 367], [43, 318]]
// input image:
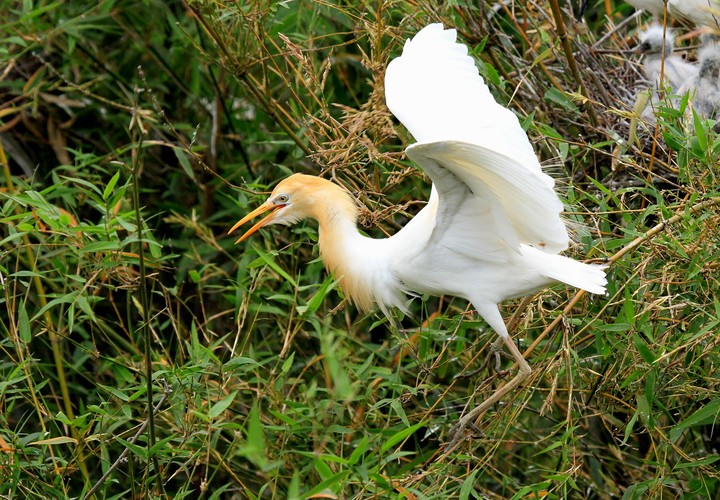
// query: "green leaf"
[[647, 355], [84, 304], [115, 392], [140, 451], [558, 97], [293, 492], [24, 325], [55, 441], [288, 363], [267, 259], [644, 411], [362, 447], [650, 386], [240, 361], [629, 428], [111, 185], [64, 299], [254, 450], [563, 440], [628, 308], [222, 405], [328, 484], [184, 162], [400, 436], [323, 469], [320, 295], [467, 486], [699, 463], [700, 132], [397, 406], [708, 414]]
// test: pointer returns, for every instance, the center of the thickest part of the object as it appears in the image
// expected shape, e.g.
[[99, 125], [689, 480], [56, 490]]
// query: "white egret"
[[491, 230], [657, 45], [707, 93]]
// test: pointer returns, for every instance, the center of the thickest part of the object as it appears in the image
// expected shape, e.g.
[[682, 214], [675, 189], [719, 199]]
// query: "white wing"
[[700, 12], [492, 190], [654, 7]]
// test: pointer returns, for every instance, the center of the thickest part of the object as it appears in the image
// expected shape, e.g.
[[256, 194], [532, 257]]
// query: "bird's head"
[[295, 198], [653, 39], [709, 60]]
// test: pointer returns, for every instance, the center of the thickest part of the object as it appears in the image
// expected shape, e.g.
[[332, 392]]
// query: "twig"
[[619, 255], [132, 440], [617, 28], [565, 41]]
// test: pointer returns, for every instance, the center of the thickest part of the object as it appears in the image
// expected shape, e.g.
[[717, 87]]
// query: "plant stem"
[[137, 138], [565, 41], [651, 233]]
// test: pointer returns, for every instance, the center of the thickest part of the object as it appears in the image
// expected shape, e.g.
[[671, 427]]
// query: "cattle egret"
[[700, 12], [491, 229], [657, 44], [707, 94]]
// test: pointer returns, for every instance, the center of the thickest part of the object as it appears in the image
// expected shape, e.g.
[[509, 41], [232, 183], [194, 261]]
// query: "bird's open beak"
[[264, 222]]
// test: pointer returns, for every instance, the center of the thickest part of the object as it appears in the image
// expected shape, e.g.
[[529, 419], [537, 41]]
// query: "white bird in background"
[[657, 45], [654, 7], [700, 12], [707, 85], [491, 230]]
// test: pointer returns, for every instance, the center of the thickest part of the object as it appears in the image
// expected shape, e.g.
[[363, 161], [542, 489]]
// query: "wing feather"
[[435, 90], [524, 209]]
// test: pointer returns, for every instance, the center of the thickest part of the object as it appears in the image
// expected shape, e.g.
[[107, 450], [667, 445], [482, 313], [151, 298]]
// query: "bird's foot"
[[459, 433], [496, 351]]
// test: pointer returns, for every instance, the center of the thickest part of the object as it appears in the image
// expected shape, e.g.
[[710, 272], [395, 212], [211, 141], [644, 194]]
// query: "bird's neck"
[[357, 261]]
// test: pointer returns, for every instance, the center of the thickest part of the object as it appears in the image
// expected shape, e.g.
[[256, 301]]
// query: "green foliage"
[[264, 383]]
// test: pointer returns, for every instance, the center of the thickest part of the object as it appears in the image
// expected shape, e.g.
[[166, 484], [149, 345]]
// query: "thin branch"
[[619, 255], [565, 41], [132, 440]]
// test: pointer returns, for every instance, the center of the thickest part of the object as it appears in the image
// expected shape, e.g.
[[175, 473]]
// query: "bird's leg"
[[494, 319], [496, 350]]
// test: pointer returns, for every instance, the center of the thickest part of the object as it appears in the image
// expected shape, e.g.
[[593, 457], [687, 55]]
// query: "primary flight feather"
[[491, 230]]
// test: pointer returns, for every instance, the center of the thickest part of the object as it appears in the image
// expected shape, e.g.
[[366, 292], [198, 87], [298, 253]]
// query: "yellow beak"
[[264, 222]]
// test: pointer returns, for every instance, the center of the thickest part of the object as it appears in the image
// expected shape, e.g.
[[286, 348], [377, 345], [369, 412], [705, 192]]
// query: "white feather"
[[700, 12], [526, 209], [435, 90], [495, 209], [590, 278], [707, 94], [658, 45], [654, 7]]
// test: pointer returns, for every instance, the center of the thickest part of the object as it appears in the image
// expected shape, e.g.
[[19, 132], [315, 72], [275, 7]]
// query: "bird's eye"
[[283, 198]]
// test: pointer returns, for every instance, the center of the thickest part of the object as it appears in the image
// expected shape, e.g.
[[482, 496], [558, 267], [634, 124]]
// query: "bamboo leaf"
[[400, 436], [708, 414], [222, 405]]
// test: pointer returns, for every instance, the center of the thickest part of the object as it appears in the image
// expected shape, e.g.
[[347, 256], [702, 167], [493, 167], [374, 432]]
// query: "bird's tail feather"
[[589, 277]]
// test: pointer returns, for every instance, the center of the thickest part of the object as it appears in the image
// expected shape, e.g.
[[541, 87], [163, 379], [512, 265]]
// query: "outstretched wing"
[[474, 150]]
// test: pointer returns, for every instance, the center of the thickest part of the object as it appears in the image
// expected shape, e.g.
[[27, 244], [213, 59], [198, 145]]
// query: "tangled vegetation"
[[144, 355]]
